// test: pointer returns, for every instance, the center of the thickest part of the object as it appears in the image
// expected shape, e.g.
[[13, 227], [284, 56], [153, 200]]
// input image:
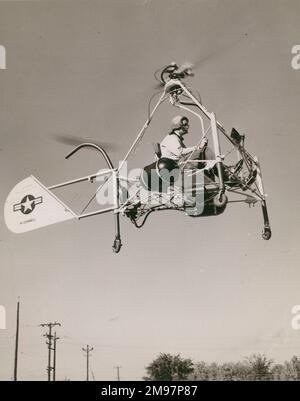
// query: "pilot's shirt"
[[172, 147]]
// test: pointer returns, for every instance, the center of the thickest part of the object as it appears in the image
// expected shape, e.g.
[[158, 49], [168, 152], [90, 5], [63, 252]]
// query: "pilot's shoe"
[[189, 202]]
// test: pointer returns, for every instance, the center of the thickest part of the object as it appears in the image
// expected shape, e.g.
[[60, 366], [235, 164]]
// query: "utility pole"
[[93, 375], [17, 343], [118, 371], [49, 336], [54, 356], [87, 350]]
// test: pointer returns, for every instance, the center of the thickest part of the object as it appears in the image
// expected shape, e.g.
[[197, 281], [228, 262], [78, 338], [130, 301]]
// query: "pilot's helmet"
[[180, 122]]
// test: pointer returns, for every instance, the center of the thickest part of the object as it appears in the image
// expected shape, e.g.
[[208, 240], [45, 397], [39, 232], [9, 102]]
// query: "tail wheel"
[[117, 245], [267, 233]]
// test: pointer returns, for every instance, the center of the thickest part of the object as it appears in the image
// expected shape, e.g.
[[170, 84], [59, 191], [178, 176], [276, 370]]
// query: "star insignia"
[[27, 204]]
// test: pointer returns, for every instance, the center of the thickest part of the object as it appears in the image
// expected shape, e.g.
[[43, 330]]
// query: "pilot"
[[173, 147]]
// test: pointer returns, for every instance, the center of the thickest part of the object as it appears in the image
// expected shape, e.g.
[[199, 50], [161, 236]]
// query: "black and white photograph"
[[149, 176]]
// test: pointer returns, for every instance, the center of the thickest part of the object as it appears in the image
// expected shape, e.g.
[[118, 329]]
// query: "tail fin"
[[30, 205]]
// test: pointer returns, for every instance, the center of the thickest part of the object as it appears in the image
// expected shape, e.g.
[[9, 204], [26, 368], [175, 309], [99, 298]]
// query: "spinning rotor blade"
[[75, 141], [196, 63], [218, 50]]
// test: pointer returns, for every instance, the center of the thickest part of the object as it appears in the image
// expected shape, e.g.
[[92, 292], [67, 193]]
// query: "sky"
[[208, 288]]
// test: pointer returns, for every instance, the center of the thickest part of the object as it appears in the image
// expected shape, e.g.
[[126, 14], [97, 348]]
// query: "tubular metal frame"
[[115, 173]]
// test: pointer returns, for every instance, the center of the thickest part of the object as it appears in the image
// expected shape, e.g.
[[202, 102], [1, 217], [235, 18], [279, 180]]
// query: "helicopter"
[[199, 186]]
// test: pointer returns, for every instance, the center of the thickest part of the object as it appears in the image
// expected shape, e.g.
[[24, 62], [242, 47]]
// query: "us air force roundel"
[[27, 204]]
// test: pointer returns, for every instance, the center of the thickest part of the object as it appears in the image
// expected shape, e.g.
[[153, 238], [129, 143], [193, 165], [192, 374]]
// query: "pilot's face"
[[184, 128]]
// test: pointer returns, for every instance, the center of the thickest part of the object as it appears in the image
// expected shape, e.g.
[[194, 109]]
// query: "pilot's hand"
[[203, 142]]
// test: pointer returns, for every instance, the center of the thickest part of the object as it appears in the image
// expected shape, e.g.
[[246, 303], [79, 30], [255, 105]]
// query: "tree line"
[[256, 367]]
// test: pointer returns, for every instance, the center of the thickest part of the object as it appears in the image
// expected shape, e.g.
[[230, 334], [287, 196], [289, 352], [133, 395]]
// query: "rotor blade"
[[67, 139], [218, 50]]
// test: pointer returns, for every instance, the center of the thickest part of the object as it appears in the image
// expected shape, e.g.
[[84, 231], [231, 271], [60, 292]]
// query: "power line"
[[87, 351], [55, 338], [50, 337]]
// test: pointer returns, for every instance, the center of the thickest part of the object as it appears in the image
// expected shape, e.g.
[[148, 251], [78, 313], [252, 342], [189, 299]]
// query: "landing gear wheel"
[[220, 200], [117, 245], [267, 233]]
